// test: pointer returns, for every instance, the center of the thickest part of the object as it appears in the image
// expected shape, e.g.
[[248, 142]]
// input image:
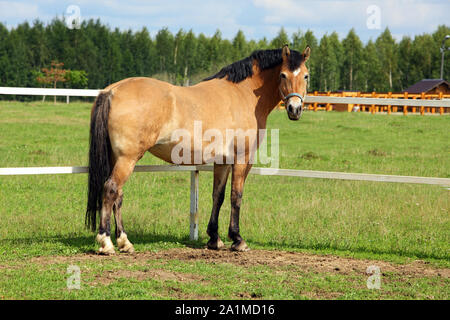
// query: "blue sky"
[[257, 18]]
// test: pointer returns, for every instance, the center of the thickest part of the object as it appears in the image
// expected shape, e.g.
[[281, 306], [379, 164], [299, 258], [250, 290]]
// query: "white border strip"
[[258, 171]]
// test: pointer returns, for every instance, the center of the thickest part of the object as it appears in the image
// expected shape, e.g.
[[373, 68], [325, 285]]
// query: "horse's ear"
[[286, 51], [307, 53]]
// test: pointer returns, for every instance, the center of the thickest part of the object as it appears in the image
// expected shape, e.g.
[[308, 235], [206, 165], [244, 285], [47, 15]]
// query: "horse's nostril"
[[290, 109]]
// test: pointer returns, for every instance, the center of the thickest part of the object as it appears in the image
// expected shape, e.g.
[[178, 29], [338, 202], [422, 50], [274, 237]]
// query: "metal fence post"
[[193, 235]]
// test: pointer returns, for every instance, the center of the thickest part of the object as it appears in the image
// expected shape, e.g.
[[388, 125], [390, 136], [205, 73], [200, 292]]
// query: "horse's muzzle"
[[294, 112]]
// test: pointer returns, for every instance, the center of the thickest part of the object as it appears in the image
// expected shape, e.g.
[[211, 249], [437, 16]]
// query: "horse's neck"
[[264, 86]]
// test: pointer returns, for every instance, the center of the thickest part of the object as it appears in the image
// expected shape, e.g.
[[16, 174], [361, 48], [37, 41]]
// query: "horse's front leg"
[[239, 174], [221, 172]]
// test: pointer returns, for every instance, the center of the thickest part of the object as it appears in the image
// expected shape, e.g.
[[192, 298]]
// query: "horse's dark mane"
[[242, 69]]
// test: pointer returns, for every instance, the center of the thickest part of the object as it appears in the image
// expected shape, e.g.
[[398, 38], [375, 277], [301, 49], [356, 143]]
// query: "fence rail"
[[374, 102], [258, 171], [49, 92], [194, 170]]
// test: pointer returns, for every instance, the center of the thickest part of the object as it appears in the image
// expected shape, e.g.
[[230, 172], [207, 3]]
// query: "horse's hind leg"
[[122, 240], [112, 196], [221, 173], [110, 193]]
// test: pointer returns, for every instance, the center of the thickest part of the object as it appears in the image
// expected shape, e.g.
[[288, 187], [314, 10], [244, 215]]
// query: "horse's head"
[[293, 83]]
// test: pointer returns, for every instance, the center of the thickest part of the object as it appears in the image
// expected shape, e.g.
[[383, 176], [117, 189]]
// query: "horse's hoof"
[[106, 251], [240, 246], [125, 246], [107, 247], [127, 249], [215, 245]]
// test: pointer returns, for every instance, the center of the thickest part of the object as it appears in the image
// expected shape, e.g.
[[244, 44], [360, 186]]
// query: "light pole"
[[443, 48]]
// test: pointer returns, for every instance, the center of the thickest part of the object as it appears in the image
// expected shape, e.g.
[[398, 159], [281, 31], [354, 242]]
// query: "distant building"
[[431, 86]]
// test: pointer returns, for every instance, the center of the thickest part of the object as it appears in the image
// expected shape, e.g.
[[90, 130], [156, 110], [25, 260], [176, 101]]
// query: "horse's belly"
[[190, 153], [162, 151]]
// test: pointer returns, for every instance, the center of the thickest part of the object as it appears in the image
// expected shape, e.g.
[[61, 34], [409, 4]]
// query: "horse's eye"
[[283, 75], [306, 76]]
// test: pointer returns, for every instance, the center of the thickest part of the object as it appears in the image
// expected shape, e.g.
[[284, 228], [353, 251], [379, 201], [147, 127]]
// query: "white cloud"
[[17, 10], [201, 16], [311, 12], [257, 18], [400, 16]]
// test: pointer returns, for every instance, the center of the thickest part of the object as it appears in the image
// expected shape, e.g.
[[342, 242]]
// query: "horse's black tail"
[[100, 163]]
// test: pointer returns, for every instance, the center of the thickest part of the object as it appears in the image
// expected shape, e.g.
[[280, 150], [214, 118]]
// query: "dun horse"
[[136, 115]]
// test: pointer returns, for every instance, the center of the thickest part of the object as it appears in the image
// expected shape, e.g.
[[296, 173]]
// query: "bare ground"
[[151, 265], [272, 258]]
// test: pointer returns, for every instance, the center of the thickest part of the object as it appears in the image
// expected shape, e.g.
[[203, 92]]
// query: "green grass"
[[174, 279], [44, 215]]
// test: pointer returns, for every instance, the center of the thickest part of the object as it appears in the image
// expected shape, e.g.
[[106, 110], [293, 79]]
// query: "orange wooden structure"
[[373, 108]]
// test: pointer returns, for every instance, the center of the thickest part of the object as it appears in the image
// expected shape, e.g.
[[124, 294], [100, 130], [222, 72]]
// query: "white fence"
[[50, 92], [445, 103], [445, 182]]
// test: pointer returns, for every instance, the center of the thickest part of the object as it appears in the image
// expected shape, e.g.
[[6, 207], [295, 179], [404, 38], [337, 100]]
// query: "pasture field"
[[310, 238]]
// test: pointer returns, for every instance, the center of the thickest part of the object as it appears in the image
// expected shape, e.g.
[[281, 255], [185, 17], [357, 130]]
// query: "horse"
[[139, 114]]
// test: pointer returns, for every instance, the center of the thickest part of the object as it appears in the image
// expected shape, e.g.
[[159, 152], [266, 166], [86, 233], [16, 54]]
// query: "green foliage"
[[352, 67], [280, 40], [77, 78], [388, 57], [185, 58]]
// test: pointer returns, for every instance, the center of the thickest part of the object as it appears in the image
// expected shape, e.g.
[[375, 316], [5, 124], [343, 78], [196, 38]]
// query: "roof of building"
[[426, 85]]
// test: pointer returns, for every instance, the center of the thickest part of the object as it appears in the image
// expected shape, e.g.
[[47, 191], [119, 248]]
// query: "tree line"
[[108, 55]]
